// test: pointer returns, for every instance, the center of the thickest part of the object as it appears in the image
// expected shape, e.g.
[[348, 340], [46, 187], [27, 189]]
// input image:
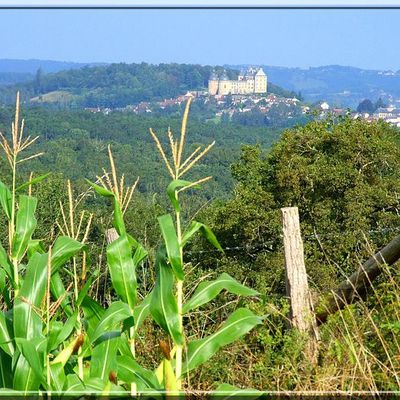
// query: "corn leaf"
[[226, 391], [25, 378], [58, 291], [35, 246], [6, 342], [172, 245], [5, 199], [5, 263], [24, 227], [63, 250], [206, 291], [6, 379], [112, 319], [57, 377], [33, 350], [163, 306], [58, 336], [130, 371], [2, 280], [33, 181], [204, 230], [27, 321], [139, 255], [74, 384], [104, 358], [119, 223], [93, 313], [141, 311], [122, 270], [172, 188], [100, 190], [238, 324], [84, 291]]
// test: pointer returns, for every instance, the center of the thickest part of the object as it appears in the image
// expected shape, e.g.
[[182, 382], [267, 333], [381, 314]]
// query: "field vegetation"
[[111, 285]]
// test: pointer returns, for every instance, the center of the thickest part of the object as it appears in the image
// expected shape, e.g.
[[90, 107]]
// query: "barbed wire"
[[269, 245]]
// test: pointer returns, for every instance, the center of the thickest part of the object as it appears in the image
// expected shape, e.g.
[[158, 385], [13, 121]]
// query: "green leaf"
[[6, 342], [130, 371], [112, 318], [74, 384], [24, 227], [33, 351], [6, 199], [204, 230], [93, 313], [226, 391], [32, 181], [63, 250], [5, 263], [100, 190], [238, 324], [172, 245], [57, 377], [139, 255], [118, 216], [172, 188], [35, 246], [141, 311], [25, 378], [163, 306], [6, 378], [58, 291], [27, 321], [207, 291], [58, 336], [122, 270], [104, 358], [84, 291], [2, 280]]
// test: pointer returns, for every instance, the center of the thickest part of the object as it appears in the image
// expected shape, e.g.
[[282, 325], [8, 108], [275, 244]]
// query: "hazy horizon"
[[286, 38], [202, 64]]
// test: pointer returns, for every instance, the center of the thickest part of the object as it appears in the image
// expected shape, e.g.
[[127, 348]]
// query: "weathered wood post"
[[301, 312], [111, 235]]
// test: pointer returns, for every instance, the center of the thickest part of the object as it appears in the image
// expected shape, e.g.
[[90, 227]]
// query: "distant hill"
[[31, 66], [20, 71], [115, 85], [345, 86]]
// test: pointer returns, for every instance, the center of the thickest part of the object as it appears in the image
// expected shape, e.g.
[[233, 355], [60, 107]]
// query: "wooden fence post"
[[111, 235], [301, 312]]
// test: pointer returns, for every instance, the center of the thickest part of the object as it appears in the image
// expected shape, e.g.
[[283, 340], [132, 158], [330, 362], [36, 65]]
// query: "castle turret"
[[260, 82], [225, 85], [213, 84]]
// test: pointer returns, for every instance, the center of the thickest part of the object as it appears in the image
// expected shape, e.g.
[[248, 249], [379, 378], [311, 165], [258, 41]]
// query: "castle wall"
[[243, 85], [213, 87]]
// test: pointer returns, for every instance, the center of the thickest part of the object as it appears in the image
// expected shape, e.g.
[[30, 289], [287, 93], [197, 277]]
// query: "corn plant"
[[53, 336], [31, 334], [167, 304]]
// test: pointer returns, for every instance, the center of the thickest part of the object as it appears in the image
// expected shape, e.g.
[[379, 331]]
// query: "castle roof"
[[260, 72], [213, 76], [224, 77]]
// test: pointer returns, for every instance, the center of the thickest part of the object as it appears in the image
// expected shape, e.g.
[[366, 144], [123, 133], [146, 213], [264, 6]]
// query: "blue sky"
[[302, 38]]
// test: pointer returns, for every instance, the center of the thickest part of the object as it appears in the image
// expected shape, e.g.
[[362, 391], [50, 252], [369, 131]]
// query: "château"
[[250, 81]]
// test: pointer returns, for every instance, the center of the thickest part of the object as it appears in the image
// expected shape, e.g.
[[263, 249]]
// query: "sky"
[[290, 38]]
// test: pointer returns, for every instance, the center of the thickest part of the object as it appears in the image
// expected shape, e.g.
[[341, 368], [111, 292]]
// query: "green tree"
[[345, 179], [366, 106]]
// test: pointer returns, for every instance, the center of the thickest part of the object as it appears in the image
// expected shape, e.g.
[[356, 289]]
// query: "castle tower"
[[213, 84], [260, 82], [225, 85]]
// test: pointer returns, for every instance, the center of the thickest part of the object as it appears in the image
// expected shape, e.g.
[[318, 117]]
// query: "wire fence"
[[270, 245]]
